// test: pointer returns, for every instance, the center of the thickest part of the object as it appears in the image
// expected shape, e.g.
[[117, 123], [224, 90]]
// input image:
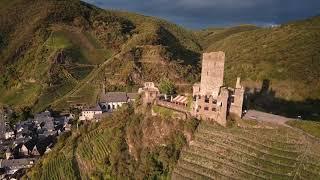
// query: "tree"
[[166, 86]]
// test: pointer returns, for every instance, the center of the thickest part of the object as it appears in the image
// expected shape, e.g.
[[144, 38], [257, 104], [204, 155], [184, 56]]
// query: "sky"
[[197, 14]]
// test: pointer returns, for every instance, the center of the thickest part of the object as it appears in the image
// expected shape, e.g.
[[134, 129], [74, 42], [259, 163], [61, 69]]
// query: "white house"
[[89, 114], [9, 132], [111, 101]]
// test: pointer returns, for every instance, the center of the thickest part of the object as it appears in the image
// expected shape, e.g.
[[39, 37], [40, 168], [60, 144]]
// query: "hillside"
[[286, 58], [127, 144], [54, 48], [251, 151], [59, 53]]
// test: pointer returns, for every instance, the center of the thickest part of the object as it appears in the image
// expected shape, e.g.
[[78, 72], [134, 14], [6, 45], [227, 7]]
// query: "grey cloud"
[[204, 13]]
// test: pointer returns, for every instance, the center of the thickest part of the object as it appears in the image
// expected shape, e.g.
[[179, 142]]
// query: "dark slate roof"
[[114, 97], [49, 125], [43, 114], [21, 140], [48, 133], [30, 144], [61, 120], [95, 108], [13, 163], [44, 143]]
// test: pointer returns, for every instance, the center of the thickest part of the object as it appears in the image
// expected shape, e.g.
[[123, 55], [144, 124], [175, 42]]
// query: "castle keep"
[[211, 74], [211, 100]]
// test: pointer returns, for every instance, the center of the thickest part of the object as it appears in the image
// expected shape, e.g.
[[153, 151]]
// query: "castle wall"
[[211, 109], [236, 106], [173, 106], [223, 100]]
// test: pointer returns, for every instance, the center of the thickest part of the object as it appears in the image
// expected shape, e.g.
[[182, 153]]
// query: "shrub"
[[166, 86]]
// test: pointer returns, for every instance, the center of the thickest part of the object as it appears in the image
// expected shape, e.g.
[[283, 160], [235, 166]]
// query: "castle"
[[211, 100]]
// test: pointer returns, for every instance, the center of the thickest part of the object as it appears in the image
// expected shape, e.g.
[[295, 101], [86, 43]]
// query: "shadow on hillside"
[[264, 99], [177, 49]]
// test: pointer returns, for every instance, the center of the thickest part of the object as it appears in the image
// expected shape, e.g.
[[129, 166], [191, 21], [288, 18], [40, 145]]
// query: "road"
[[266, 117]]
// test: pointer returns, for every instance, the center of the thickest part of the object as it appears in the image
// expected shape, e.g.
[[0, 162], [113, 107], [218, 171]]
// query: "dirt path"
[[267, 117]]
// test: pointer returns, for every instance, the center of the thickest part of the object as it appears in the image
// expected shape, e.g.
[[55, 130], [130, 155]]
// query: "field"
[[254, 152]]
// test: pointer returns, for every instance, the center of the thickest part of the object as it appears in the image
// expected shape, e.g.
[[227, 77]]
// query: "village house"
[[13, 165], [31, 138], [45, 121], [90, 113], [111, 101], [9, 133]]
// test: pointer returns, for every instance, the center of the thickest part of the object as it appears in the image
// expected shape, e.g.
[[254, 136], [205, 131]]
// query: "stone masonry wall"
[[212, 73], [173, 106]]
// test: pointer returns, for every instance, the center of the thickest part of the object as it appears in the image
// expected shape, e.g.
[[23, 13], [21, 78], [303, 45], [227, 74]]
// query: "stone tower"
[[236, 105], [212, 73]]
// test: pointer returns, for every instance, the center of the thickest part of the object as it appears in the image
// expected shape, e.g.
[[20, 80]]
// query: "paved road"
[[266, 117]]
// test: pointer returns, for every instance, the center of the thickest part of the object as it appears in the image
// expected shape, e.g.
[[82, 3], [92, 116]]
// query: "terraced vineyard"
[[267, 152]]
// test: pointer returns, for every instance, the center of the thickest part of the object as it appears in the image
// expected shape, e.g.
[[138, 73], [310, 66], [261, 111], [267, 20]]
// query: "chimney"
[[238, 84], [103, 88]]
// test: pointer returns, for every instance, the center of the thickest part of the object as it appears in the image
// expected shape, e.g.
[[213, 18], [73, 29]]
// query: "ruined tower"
[[237, 99], [212, 73], [211, 100]]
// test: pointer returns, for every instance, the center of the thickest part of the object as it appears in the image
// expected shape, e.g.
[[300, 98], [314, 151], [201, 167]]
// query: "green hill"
[[58, 53], [51, 49], [286, 57]]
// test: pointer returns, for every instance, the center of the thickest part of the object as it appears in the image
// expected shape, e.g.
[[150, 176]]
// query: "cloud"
[[204, 13]]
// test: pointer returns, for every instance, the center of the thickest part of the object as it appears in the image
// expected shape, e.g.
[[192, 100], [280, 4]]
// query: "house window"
[[214, 101], [206, 108], [213, 109]]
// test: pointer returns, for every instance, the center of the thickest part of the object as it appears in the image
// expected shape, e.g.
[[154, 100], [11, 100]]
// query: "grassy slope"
[[85, 37], [255, 151], [287, 55], [310, 127]]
